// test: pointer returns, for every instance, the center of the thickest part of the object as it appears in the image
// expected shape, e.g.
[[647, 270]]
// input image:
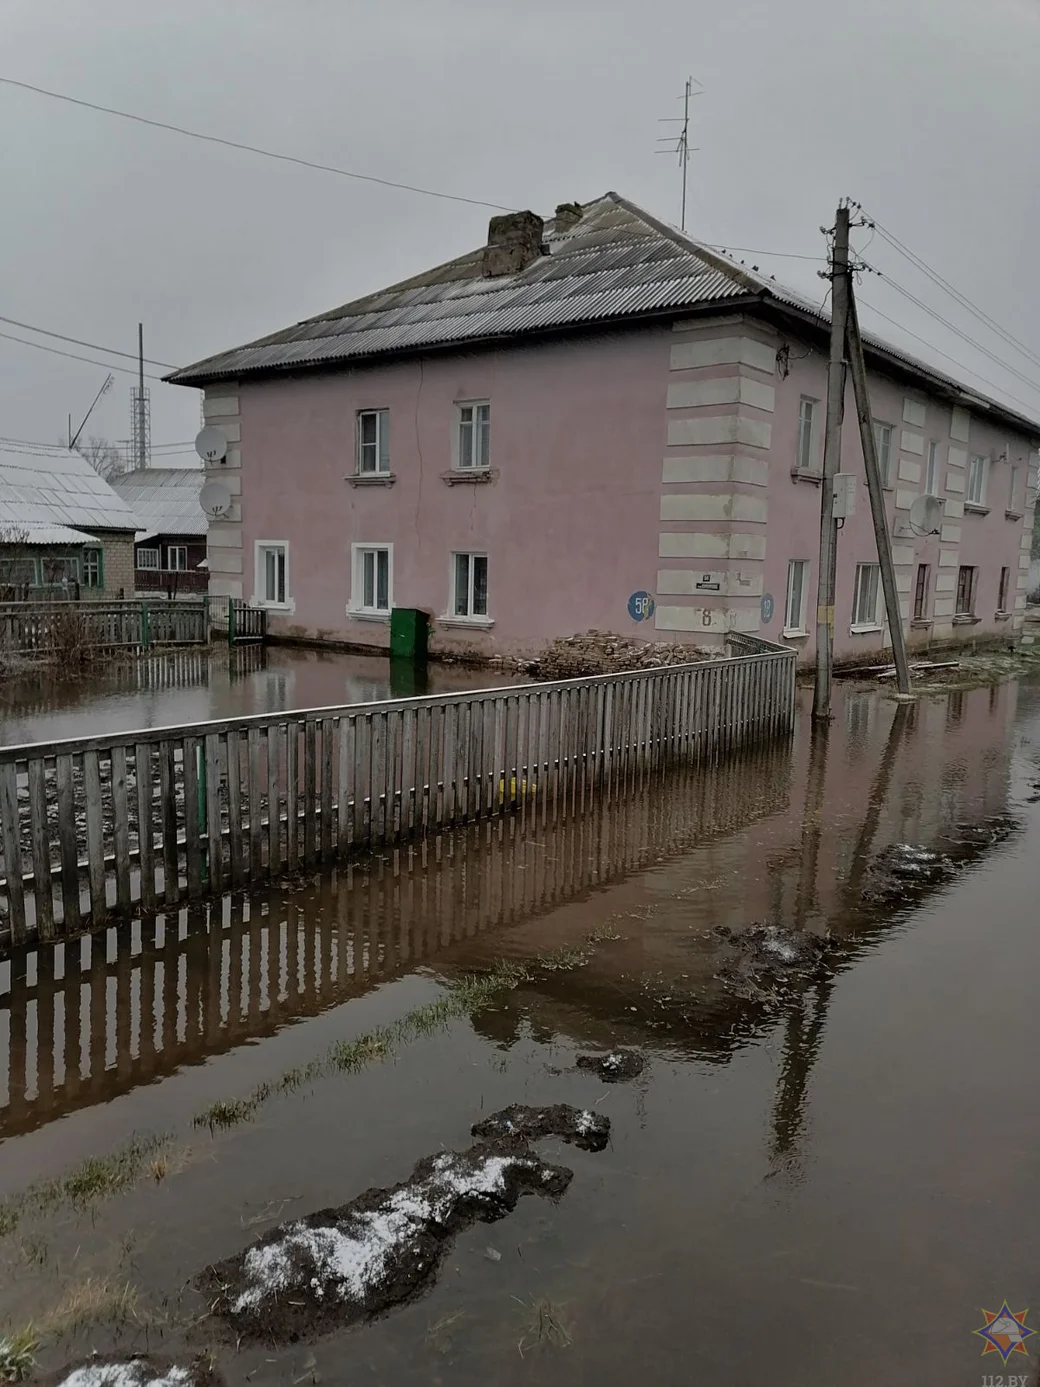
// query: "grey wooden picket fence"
[[101, 826]]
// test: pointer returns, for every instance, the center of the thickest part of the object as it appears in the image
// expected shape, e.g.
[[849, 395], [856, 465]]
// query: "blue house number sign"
[[641, 606]]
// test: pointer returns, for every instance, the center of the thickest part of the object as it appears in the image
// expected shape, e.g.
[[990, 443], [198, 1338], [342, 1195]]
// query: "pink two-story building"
[[597, 423]]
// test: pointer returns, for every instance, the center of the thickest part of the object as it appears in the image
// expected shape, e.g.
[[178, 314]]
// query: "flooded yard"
[[770, 1026], [190, 686]]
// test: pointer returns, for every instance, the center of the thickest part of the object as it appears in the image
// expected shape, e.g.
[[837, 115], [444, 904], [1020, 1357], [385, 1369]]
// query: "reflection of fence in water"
[[86, 1020]]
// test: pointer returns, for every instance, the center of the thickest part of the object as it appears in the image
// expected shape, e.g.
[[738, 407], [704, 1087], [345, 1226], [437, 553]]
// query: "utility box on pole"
[[845, 488]]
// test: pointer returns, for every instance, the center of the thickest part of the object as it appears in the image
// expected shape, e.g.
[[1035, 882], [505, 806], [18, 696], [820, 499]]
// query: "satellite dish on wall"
[[210, 444], [215, 499], [926, 515]]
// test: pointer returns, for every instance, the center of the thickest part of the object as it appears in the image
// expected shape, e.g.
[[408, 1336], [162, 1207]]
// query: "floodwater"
[[191, 686], [814, 1181]]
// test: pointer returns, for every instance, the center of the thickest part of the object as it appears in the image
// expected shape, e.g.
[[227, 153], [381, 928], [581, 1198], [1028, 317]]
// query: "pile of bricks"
[[601, 652]]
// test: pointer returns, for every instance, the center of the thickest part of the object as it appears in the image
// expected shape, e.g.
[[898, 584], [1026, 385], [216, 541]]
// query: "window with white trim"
[[147, 558], [372, 586], [373, 442], [807, 434], [924, 574], [1012, 504], [474, 435], [967, 583], [469, 598], [977, 469], [797, 589], [883, 448], [931, 471], [865, 599], [272, 574], [177, 557]]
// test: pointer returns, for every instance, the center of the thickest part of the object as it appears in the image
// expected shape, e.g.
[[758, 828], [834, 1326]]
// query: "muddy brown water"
[[816, 1179]]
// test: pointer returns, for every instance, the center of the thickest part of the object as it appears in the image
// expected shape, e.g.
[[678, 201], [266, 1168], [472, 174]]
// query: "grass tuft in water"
[[98, 1177], [466, 995], [87, 1184], [18, 1355], [546, 1325]]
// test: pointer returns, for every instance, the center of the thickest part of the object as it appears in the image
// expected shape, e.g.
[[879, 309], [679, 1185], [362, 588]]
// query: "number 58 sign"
[[641, 606]]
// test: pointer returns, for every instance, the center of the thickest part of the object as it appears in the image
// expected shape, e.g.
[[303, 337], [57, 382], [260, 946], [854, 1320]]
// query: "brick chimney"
[[514, 241], [568, 214]]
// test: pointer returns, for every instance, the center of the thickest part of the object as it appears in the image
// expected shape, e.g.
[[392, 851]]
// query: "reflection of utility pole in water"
[[812, 826], [903, 720], [806, 1019], [804, 1026]]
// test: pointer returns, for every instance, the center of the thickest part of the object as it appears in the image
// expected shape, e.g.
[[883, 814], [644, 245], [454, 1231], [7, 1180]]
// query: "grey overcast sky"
[[923, 110]]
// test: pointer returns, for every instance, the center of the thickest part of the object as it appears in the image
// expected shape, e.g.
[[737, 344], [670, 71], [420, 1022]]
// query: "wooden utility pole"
[[858, 370], [831, 464]]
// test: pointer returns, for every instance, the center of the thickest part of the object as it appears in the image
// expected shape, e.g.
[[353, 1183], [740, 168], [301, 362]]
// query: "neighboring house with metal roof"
[[170, 546], [597, 422], [63, 530]]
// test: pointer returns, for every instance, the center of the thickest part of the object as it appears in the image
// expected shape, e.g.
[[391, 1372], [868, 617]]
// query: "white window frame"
[[807, 445], [382, 443], [176, 549], [860, 621], [978, 470], [1004, 590], [357, 606], [884, 464], [1012, 506], [468, 618], [794, 622], [931, 470], [460, 424], [260, 549], [149, 566], [973, 590]]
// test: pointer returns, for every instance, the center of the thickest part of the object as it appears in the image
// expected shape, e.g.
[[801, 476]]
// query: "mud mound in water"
[[117, 1370], [339, 1266], [582, 1128], [615, 1067], [903, 872], [771, 947]]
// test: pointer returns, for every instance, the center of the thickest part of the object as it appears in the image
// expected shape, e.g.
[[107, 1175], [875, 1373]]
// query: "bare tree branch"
[[106, 459]]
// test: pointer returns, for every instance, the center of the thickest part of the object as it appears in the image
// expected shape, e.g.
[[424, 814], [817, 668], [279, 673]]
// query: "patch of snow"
[[346, 1260], [133, 1373], [586, 1122], [613, 1061]]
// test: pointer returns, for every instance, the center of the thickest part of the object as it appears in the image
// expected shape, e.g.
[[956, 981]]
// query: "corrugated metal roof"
[[164, 499], [54, 534], [614, 264], [618, 262], [58, 488]]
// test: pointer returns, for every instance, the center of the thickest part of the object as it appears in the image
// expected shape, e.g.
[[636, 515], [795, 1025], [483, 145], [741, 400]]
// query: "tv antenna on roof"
[[680, 144]]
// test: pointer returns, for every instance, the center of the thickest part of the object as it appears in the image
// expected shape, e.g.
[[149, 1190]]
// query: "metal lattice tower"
[[140, 427]]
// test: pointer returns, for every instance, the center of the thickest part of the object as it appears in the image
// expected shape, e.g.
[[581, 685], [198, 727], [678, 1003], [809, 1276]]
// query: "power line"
[[78, 342], [954, 293], [1000, 389], [253, 149], [91, 361], [774, 254], [952, 327]]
